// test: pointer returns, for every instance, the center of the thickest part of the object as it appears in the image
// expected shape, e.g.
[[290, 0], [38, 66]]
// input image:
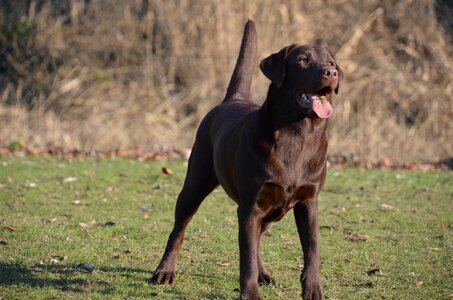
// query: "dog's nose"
[[331, 73]]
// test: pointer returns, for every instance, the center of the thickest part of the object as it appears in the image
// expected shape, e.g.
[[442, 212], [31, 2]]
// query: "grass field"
[[59, 218]]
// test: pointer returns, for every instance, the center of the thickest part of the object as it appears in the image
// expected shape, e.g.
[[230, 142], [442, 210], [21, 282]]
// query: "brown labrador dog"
[[268, 158]]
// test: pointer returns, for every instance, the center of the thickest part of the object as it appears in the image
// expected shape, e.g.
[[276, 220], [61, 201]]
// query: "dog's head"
[[308, 73]]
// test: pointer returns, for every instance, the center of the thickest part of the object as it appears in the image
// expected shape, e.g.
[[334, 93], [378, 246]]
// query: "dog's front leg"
[[249, 233], [306, 215]]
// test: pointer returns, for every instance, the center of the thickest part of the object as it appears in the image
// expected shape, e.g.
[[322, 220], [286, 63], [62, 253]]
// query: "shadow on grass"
[[73, 279], [67, 278], [41, 276]]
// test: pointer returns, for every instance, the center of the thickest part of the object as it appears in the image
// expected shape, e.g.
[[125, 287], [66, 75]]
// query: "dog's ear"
[[273, 66], [340, 79]]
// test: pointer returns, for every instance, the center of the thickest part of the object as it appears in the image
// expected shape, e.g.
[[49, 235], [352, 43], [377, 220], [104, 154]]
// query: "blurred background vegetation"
[[109, 74]]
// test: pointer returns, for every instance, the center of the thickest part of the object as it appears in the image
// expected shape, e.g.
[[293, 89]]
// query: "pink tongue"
[[322, 109]]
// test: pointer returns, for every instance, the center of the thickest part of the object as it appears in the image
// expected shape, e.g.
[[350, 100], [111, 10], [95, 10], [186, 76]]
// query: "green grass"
[[409, 243]]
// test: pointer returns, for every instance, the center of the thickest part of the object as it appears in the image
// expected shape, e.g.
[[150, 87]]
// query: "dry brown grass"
[[125, 76]]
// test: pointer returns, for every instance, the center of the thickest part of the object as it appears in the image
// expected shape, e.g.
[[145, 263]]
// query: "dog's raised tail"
[[241, 80]]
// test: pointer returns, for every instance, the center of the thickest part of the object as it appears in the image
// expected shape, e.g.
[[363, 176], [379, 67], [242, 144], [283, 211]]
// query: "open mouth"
[[317, 102], [325, 91]]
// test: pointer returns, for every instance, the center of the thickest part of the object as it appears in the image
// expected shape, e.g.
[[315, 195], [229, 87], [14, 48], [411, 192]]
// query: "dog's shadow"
[[66, 278], [16, 274], [73, 279]]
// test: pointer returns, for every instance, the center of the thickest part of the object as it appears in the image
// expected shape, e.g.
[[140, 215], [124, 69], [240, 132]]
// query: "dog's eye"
[[304, 60], [331, 63]]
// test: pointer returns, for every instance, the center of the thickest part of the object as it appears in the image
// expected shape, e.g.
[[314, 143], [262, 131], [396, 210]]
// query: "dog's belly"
[[239, 171], [235, 160], [226, 176]]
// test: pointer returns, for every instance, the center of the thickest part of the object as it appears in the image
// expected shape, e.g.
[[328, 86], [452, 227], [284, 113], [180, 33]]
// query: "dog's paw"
[[161, 277], [265, 279], [250, 294], [311, 288], [313, 292]]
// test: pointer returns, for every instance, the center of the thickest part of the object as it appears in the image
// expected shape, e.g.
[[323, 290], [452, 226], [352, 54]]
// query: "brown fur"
[[268, 159]]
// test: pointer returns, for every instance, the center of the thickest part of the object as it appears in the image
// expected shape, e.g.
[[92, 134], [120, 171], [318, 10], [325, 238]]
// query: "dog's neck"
[[292, 138], [281, 109]]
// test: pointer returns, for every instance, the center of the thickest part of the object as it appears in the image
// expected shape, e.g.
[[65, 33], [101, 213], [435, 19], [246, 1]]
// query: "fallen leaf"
[[88, 225], [167, 171], [76, 202], [87, 267], [451, 295], [225, 264], [146, 216], [10, 228], [358, 238], [54, 261], [31, 184], [93, 223], [57, 258], [375, 272], [69, 179], [106, 224], [2, 186], [433, 248], [384, 207], [419, 283]]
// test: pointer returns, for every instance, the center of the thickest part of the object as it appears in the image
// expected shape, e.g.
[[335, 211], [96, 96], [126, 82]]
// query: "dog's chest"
[[274, 200], [295, 158], [295, 168]]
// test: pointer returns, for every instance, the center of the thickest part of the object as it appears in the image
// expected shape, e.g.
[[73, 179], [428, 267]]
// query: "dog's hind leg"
[[200, 181]]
